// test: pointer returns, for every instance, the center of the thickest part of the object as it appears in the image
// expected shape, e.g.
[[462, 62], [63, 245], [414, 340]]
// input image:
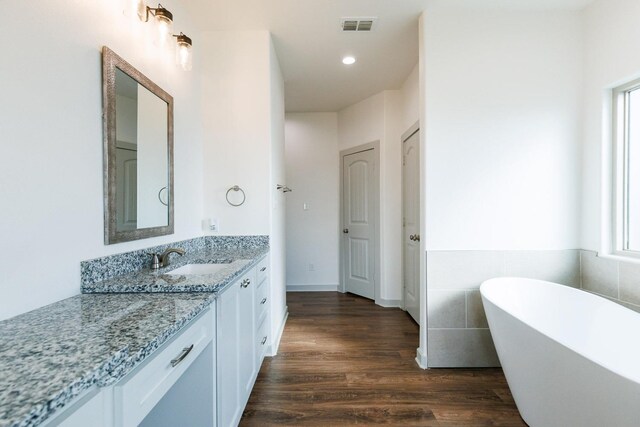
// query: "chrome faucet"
[[164, 258]]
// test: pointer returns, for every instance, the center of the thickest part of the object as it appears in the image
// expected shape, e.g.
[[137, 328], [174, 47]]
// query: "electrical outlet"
[[305, 206], [214, 225], [312, 267]]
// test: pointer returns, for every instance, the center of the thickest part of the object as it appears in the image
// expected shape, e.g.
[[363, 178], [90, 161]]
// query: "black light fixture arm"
[[183, 39], [156, 11]]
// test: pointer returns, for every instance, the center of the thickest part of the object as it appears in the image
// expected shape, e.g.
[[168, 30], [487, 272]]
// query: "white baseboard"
[[313, 288], [421, 358], [389, 302], [275, 343]]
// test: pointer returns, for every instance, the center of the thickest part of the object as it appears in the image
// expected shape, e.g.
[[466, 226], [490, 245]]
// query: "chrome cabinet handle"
[[245, 283], [416, 237], [263, 268], [184, 353], [345, 230], [412, 237], [264, 340], [263, 300]]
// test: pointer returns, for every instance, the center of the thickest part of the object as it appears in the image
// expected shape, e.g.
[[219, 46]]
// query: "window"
[[626, 138]]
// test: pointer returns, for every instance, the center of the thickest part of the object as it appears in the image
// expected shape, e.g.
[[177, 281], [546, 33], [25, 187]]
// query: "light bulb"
[[164, 23], [165, 30], [184, 56]]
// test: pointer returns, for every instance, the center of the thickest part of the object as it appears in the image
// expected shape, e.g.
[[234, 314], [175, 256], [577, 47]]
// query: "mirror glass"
[[139, 143]]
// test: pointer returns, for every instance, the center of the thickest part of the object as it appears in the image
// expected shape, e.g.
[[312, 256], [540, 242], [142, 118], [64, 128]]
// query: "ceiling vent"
[[357, 24]]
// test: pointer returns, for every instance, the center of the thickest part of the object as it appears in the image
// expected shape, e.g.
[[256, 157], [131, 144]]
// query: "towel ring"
[[160, 196], [236, 188]]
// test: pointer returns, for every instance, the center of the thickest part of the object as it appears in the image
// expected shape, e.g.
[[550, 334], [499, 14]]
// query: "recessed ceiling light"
[[348, 60]]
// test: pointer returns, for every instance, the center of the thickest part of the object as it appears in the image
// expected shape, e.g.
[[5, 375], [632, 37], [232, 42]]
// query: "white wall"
[[243, 116], [51, 127], [278, 199], [313, 174], [503, 93], [152, 163], [410, 100], [385, 117], [611, 34], [236, 116]]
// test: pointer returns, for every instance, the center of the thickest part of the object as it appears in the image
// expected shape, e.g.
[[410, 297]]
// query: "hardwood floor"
[[345, 361]]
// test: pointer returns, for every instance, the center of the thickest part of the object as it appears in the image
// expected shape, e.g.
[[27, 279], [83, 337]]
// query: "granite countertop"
[[50, 355], [237, 261]]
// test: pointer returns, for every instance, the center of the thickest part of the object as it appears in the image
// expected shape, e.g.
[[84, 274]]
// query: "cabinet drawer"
[[263, 341], [262, 270], [137, 394], [262, 303]]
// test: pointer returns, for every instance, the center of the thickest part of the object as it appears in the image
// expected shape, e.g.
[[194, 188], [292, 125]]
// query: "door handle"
[[345, 230], [416, 237], [412, 237]]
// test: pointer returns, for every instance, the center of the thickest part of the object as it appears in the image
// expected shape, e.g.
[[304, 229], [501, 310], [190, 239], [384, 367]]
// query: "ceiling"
[[310, 43]]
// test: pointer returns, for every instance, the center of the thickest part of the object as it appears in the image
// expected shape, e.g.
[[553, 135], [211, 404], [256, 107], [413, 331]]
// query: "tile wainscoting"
[[616, 280], [458, 334]]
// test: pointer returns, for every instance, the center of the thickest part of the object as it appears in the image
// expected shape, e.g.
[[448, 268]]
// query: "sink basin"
[[198, 269]]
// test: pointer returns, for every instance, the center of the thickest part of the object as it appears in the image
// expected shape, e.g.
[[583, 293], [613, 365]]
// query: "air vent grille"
[[357, 24]]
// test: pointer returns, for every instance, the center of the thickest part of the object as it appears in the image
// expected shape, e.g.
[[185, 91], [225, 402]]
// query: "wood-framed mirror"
[[138, 153]]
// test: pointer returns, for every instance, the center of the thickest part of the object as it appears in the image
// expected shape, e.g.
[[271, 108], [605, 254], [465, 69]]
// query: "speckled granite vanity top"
[[237, 261], [50, 355]]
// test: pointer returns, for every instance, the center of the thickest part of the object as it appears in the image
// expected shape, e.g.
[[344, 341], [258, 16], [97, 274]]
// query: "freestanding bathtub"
[[571, 358]]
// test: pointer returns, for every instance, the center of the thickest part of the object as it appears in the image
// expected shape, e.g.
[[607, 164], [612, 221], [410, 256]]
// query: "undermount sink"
[[198, 269]]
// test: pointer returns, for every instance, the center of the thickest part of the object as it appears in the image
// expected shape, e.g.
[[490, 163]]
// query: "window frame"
[[620, 134]]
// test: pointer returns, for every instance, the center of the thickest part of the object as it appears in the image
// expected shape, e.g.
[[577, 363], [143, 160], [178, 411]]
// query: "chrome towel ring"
[[160, 196], [236, 188]]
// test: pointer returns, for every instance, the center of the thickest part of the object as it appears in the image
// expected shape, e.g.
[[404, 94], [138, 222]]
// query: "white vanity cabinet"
[[203, 376], [139, 392], [176, 383], [240, 344], [262, 312]]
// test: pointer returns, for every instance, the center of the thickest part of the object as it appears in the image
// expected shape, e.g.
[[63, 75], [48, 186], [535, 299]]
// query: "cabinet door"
[[230, 402], [247, 323], [89, 411]]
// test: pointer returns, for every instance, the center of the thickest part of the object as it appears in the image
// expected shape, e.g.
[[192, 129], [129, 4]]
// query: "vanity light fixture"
[[183, 51], [164, 22], [163, 18]]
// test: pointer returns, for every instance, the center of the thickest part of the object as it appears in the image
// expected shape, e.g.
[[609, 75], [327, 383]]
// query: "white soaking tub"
[[571, 358]]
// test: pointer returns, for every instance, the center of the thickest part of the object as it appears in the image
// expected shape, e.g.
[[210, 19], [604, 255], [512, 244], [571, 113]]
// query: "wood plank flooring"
[[345, 361]]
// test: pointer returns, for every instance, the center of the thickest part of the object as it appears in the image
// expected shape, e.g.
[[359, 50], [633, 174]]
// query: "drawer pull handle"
[[184, 353], [264, 340], [263, 300], [245, 283], [263, 268]]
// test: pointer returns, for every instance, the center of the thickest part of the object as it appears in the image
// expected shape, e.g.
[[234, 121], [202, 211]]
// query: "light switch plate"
[[214, 225]]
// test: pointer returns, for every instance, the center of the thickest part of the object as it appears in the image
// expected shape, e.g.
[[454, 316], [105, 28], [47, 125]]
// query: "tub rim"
[[493, 282]]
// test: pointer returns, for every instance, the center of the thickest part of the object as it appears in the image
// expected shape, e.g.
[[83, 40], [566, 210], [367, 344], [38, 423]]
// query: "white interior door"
[[126, 191], [358, 223], [411, 224]]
